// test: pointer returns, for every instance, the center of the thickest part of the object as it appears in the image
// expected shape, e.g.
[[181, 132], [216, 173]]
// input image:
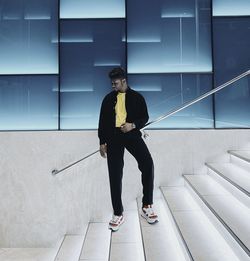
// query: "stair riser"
[[218, 225]]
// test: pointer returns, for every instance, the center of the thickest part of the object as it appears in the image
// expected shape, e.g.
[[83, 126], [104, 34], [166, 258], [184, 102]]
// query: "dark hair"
[[117, 73]]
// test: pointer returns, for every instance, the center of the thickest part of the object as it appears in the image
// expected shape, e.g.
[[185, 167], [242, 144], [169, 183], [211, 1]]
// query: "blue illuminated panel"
[[89, 50], [231, 47], [231, 7], [232, 105], [29, 41], [164, 93], [28, 102], [169, 37], [92, 9], [231, 58]]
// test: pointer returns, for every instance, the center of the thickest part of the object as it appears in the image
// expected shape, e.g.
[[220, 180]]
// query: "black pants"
[[134, 143]]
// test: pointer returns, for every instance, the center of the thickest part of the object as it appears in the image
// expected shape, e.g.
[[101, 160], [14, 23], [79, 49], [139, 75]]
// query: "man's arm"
[[101, 131], [103, 150], [142, 114], [128, 126]]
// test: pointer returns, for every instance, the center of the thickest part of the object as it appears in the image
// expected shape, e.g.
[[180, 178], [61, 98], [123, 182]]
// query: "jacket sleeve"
[[142, 116], [101, 125]]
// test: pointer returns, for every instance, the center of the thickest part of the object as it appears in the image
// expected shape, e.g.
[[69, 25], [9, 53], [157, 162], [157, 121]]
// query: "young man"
[[123, 113]]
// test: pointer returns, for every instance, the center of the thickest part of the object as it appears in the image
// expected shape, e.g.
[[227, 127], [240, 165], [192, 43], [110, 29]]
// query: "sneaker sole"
[[114, 229], [150, 221]]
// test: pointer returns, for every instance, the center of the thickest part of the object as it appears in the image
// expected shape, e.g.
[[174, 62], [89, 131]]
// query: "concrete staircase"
[[206, 219]]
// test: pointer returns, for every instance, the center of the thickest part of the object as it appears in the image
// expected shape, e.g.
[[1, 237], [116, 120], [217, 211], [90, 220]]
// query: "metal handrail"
[[55, 171], [182, 107]]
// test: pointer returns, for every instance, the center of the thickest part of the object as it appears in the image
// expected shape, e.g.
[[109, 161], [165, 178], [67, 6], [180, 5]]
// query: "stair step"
[[240, 158], [202, 239], [70, 248], [126, 244], [30, 254], [160, 241], [97, 242], [234, 215], [237, 176], [242, 154]]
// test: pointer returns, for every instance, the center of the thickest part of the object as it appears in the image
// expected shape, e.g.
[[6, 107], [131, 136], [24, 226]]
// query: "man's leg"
[[137, 147], [115, 153]]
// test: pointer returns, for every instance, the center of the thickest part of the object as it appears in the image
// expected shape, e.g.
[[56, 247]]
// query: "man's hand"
[[126, 127], [103, 150]]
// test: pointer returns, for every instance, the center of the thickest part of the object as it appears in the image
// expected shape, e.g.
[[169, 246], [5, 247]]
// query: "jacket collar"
[[114, 93], [127, 91]]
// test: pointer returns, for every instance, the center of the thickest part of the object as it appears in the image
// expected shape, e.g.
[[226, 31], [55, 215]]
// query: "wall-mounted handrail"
[[182, 107], [55, 171]]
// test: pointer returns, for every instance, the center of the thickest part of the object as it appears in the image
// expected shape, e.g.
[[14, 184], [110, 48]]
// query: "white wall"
[[36, 208]]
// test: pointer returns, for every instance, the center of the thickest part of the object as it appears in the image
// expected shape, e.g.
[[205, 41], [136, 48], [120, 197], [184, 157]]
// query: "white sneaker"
[[149, 215], [116, 222]]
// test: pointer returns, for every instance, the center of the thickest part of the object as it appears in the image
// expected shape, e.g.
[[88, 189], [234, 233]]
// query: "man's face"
[[118, 84]]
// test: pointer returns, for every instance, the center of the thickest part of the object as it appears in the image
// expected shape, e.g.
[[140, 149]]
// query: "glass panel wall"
[[231, 7], [168, 48], [28, 102], [169, 36], [89, 50], [92, 9], [231, 47], [233, 105], [231, 58], [29, 37], [164, 93]]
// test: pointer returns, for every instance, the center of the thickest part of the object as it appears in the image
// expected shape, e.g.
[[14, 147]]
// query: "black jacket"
[[136, 112]]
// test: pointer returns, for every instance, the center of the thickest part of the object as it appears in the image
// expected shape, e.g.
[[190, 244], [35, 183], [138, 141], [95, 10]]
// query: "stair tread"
[[233, 172], [235, 214], [30, 253], [125, 252], [244, 154], [70, 248], [97, 242], [159, 239], [126, 244], [203, 240]]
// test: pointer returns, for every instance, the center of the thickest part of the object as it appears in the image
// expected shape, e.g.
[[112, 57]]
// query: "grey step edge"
[[183, 242], [86, 238], [142, 238], [247, 193], [234, 153], [57, 257]]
